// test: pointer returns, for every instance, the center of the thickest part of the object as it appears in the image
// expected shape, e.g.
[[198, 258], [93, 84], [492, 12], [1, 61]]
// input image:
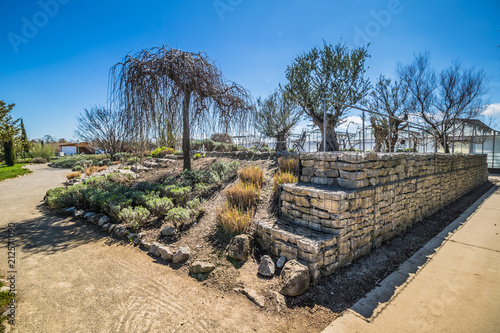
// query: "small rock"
[[278, 298], [239, 247], [79, 213], [255, 297], [105, 227], [153, 249], [131, 236], [111, 228], [281, 262], [141, 235], [70, 211], [266, 267], [88, 215], [146, 245], [165, 253], [294, 279], [103, 220], [168, 231], [120, 231], [201, 267], [182, 254]]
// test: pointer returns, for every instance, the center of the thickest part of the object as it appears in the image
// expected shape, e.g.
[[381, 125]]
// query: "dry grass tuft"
[[73, 175], [232, 220], [289, 164], [252, 175], [94, 169], [283, 178], [242, 196]]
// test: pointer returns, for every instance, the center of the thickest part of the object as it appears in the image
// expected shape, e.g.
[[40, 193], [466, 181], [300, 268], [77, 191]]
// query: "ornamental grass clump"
[[232, 220], [252, 175], [283, 178], [73, 175], [289, 165], [242, 196], [94, 169]]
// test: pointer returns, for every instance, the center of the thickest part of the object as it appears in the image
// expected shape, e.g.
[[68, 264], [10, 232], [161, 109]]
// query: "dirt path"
[[73, 278]]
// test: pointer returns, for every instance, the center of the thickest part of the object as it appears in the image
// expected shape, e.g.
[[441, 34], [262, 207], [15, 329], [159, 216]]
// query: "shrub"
[[118, 177], [191, 177], [85, 163], [73, 175], [289, 164], [222, 170], [178, 194], [194, 204], [242, 196], [162, 152], [159, 206], [45, 151], [133, 160], [135, 217], [233, 221], [78, 168], [252, 175], [283, 178], [222, 137], [39, 160], [178, 216], [94, 169], [9, 154], [60, 197], [197, 156], [24, 160]]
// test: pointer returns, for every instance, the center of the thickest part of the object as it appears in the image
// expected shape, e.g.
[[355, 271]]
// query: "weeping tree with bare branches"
[[191, 79]]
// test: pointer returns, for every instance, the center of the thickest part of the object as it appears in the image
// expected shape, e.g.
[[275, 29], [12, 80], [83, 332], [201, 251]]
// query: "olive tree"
[[331, 72], [276, 116]]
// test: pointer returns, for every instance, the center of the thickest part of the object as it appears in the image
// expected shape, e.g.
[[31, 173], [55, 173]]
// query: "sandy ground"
[[72, 278]]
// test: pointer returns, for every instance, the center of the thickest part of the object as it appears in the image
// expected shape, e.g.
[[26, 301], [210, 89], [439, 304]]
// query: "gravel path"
[[73, 278]]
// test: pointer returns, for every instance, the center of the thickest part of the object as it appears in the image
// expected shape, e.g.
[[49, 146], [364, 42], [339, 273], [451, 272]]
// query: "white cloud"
[[492, 110], [351, 122]]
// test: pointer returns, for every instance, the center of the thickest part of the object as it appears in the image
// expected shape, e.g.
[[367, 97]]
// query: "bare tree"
[[333, 72], [193, 79], [104, 127], [390, 98], [276, 116], [441, 100]]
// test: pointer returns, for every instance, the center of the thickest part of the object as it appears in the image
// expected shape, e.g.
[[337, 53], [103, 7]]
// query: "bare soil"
[[72, 277]]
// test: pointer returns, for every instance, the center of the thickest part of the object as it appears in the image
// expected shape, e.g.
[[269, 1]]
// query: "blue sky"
[[56, 54]]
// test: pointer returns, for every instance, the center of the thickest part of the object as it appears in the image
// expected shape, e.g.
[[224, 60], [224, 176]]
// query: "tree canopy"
[[331, 72]]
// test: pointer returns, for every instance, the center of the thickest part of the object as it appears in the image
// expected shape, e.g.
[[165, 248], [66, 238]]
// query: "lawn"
[[7, 172]]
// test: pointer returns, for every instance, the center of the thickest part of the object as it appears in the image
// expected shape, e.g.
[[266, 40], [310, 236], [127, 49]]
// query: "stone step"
[[313, 248]]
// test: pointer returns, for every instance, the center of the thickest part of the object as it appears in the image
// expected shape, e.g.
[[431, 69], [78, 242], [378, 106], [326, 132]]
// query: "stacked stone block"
[[359, 200]]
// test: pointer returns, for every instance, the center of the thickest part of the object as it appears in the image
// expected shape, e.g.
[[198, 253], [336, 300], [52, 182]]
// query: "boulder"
[[120, 231], [103, 220], [253, 296], [201, 267], [89, 215], [105, 227], [294, 279], [165, 253], [266, 266], [79, 213], [168, 231], [145, 244], [239, 247], [154, 249], [281, 262], [70, 211], [111, 228], [182, 254]]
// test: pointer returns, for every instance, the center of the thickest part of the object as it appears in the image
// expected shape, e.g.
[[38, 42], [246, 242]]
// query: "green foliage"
[[9, 127], [210, 145], [25, 144], [135, 217], [179, 195], [178, 216], [59, 198], [85, 161], [162, 152], [7, 172], [39, 160], [133, 160], [9, 153], [191, 177], [194, 204], [223, 170], [78, 168], [43, 151], [159, 206], [197, 156]]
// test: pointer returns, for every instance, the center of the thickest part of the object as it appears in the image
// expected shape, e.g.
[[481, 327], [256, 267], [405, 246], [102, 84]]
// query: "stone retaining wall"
[[369, 198]]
